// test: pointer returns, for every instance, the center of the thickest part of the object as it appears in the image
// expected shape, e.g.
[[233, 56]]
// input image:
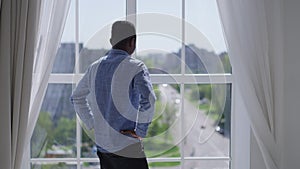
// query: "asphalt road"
[[200, 138]]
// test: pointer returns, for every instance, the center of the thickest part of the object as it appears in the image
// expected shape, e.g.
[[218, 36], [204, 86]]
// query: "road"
[[200, 139]]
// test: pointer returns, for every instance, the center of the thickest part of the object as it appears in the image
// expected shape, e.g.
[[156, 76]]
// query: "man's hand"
[[132, 133]]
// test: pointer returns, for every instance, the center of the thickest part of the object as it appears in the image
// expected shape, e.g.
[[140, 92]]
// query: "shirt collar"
[[115, 52]]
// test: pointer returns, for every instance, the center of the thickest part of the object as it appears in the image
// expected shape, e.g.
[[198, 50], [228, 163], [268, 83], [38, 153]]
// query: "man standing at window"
[[115, 98]]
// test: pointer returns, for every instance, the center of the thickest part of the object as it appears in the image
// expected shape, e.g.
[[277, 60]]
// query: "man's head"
[[123, 36]]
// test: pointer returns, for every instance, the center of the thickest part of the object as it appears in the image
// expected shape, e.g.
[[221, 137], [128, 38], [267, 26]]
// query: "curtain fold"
[[30, 31], [53, 18], [253, 30], [18, 26]]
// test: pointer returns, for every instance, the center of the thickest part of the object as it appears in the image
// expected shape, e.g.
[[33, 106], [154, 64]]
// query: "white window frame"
[[240, 146]]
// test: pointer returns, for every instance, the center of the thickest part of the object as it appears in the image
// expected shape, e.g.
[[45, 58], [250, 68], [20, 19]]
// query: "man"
[[116, 99]]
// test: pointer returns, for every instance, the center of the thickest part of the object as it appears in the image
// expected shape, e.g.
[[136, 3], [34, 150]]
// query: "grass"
[[164, 164], [204, 107], [154, 149]]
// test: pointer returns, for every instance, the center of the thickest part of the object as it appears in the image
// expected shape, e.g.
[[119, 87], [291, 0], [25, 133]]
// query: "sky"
[[203, 26]]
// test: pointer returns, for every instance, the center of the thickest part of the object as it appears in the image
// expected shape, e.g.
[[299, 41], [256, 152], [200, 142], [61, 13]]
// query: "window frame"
[[182, 79]]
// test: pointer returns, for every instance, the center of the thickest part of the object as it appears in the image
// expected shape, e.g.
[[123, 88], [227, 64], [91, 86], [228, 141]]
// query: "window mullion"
[[182, 119], [131, 11], [157, 78], [78, 127]]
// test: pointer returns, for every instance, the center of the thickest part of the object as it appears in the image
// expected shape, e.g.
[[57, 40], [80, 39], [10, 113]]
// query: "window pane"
[[96, 14], [88, 147], [65, 57], [208, 109], [205, 46], [160, 61], [207, 164], [169, 7], [96, 17], [61, 165], [162, 139], [159, 34], [55, 132]]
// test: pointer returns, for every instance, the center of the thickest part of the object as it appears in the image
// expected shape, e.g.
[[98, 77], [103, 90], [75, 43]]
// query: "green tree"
[[42, 137], [45, 121], [65, 131], [226, 62]]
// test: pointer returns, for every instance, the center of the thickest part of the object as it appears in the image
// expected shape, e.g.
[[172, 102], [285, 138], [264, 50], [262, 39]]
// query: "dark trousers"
[[131, 157]]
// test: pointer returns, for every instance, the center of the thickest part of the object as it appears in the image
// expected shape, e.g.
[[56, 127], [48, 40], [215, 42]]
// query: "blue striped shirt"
[[115, 94]]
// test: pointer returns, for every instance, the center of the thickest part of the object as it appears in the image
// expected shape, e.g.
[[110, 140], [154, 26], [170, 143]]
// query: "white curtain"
[[253, 30], [18, 27], [30, 31], [52, 20]]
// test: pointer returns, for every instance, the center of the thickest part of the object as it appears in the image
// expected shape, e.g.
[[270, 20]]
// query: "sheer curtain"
[[30, 31], [253, 29], [52, 21], [18, 26]]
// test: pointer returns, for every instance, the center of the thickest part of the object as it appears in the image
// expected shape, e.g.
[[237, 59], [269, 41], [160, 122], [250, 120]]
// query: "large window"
[[182, 45]]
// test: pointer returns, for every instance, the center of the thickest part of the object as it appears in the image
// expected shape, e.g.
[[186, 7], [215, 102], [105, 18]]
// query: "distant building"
[[58, 152], [56, 100]]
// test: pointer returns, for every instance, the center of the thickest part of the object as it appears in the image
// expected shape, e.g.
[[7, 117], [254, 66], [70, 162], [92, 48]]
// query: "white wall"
[[291, 120]]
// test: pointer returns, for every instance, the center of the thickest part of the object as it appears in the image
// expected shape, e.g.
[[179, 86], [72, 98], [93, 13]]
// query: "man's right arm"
[[79, 100]]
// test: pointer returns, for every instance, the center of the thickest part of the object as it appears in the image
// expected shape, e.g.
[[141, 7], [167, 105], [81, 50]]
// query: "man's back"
[[121, 101], [120, 94]]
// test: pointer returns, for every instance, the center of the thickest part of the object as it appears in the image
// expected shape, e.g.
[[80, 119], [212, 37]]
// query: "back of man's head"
[[121, 32]]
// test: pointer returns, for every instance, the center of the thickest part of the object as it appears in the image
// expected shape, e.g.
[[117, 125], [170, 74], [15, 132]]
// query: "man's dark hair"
[[121, 33]]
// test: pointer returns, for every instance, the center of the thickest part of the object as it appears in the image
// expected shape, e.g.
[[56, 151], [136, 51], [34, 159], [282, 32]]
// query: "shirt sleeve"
[[147, 101], [80, 103]]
